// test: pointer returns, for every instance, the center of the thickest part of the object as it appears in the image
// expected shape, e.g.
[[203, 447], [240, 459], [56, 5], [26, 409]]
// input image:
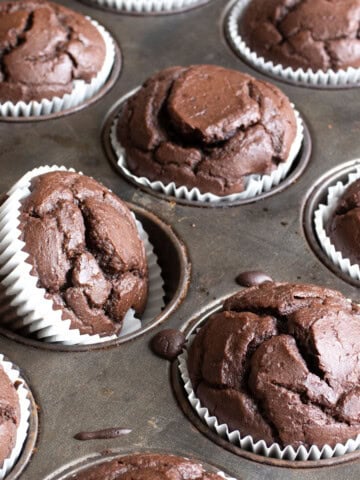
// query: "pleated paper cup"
[[223, 475], [247, 442], [149, 6], [23, 304], [322, 216], [81, 92], [328, 78], [254, 184], [25, 407]]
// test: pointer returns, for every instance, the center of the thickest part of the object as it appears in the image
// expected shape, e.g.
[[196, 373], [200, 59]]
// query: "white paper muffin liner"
[[321, 218], [24, 304], [223, 475], [247, 442], [25, 407], [254, 184], [149, 6], [81, 92], [309, 77]]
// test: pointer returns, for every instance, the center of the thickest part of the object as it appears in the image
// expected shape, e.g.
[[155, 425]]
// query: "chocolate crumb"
[[105, 434]]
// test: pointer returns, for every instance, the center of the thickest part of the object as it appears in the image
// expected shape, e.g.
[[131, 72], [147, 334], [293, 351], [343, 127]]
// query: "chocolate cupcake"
[[279, 366], [9, 416], [15, 414], [207, 129], [308, 41], [337, 224], [76, 257], [343, 227], [152, 7], [147, 467], [48, 52]]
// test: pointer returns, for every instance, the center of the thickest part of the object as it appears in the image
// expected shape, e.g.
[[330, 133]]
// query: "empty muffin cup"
[[320, 78], [26, 306]]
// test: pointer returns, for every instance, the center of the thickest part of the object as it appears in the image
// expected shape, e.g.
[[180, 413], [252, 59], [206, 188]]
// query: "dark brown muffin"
[[206, 126], [343, 227], [281, 362], [9, 416], [85, 249], [43, 48], [307, 34], [147, 467]]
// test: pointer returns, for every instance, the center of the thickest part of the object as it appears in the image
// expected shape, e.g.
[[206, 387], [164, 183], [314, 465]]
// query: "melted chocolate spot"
[[168, 343], [252, 278], [105, 434]]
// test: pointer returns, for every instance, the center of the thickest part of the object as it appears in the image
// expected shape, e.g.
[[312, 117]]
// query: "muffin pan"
[[127, 385]]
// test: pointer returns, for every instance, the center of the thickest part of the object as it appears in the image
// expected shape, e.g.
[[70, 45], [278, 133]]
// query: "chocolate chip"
[[252, 278], [168, 343]]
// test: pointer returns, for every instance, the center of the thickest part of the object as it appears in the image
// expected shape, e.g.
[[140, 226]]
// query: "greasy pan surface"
[[126, 385]]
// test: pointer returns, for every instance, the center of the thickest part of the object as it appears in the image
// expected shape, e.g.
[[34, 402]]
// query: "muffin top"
[[281, 362], [147, 467], [9, 416], [85, 250], [43, 48], [206, 126], [343, 226], [307, 34]]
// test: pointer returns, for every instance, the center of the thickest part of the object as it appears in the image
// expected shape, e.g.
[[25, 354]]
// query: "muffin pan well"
[[146, 7], [176, 277], [232, 439], [112, 147], [97, 460], [127, 385], [318, 195], [99, 93]]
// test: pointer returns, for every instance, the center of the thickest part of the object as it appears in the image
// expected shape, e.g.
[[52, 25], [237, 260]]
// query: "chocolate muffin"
[[44, 48], [9, 416], [307, 34], [85, 250], [147, 467], [206, 126], [343, 227], [281, 362]]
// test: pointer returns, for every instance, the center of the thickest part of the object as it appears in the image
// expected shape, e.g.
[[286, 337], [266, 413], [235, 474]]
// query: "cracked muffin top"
[[281, 362], [147, 467], [9, 416], [307, 34], [85, 250], [43, 48], [206, 126], [343, 226]]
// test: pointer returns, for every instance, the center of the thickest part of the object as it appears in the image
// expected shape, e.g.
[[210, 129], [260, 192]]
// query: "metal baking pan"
[[126, 384]]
